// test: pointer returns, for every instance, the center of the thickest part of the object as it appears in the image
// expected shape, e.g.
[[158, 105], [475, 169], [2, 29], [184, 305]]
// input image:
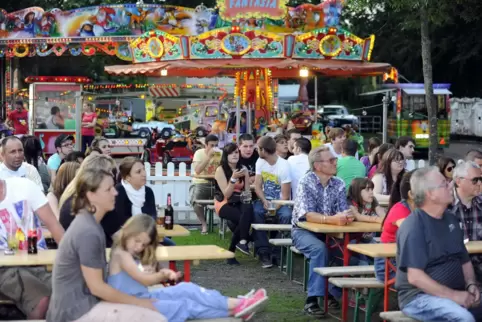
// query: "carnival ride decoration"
[[256, 56], [256, 42]]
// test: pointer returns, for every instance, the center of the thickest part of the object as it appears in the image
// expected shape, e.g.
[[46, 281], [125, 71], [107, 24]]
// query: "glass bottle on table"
[[169, 214]]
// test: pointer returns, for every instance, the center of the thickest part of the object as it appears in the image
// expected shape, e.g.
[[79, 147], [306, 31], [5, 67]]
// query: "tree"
[[423, 13]]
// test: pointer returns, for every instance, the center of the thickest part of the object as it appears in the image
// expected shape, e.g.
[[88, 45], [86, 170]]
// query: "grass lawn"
[[286, 297]]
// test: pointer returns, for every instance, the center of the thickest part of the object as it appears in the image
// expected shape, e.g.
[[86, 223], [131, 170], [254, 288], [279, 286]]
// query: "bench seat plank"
[[281, 242], [272, 227], [396, 316], [204, 202], [345, 270], [356, 282]]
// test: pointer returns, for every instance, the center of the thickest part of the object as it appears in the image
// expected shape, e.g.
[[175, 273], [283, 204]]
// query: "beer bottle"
[[32, 241], [169, 214]]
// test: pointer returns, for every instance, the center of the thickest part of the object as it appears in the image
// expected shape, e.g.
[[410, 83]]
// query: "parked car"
[[336, 116], [144, 129]]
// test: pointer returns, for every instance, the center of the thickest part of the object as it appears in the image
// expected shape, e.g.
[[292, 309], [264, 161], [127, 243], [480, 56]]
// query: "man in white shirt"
[[272, 182], [299, 164], [13, 162], [22, 207]]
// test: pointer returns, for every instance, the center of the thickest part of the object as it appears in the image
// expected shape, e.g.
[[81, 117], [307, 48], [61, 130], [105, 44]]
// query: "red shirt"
[[389, 229], [88, 118], [19, 120]]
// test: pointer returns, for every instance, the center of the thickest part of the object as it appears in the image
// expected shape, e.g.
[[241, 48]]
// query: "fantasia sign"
[[244, 9]]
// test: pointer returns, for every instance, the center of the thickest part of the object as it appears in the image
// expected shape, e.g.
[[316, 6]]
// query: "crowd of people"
[[331, 185], [90, 203]]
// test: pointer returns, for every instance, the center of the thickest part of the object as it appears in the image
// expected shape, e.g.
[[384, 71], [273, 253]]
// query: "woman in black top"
[[134, 196], [233, 199]]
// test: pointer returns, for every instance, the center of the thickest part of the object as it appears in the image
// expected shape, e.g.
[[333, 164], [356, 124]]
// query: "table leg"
[[187, 271], [346, 262], [386, 286], [172, 266]]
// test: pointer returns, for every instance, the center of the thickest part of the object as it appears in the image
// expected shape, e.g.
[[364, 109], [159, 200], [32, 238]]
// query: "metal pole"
[[316, 94], [78, 119], [248, 118], [385, 101], [238, 115]]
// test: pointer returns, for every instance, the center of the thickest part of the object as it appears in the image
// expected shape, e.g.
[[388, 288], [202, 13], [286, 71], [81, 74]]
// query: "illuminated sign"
[[245, 9]]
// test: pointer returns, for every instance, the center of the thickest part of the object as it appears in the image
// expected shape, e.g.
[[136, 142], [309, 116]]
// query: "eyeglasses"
[[332, 160], [399, 161], [474, 180]]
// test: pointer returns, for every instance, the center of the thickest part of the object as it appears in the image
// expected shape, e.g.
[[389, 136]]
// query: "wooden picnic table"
[[346, 230], [163, 254], [389, 251], [177, 231]]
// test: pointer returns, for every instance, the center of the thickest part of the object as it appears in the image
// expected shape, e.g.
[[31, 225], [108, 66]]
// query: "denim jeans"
[[380, 268], [427, 308], [261, 242], [313, 246]]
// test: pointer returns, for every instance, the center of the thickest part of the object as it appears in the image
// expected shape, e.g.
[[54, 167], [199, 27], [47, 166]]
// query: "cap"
[[62, 138]]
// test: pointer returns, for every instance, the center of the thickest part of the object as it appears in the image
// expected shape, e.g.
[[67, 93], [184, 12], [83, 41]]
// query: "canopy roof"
[[280, 68]]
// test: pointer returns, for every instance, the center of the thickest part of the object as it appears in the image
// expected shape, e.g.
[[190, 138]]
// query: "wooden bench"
[[360, 283], [272, 227], [396, 316], [306, 267], [284, 243], [335, 271]]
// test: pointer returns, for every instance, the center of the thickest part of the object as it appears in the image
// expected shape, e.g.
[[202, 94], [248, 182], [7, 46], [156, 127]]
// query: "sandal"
[[333, 303], [204, 232]]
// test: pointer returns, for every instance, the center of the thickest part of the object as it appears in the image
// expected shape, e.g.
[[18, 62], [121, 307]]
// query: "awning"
[[280, 68], [164, 92], [421, 91]]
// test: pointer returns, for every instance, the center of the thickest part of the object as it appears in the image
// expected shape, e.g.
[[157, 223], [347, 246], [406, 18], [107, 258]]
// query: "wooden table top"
[[177, 231], [354, 227], [172, 253], [390, 250]]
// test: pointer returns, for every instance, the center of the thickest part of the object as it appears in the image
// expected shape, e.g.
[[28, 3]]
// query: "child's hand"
[[149, 269], [170, 275]]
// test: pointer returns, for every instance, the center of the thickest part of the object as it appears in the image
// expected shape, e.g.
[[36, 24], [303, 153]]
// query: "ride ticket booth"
[[55, 108]]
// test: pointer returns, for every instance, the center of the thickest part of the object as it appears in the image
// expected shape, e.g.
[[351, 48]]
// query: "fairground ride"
[[256, 42]]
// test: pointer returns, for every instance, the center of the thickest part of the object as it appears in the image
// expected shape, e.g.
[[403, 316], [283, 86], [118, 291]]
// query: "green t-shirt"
[[349, 168]]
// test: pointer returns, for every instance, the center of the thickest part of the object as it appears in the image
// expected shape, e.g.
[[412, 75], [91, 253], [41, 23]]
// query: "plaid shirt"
[[471, 224]]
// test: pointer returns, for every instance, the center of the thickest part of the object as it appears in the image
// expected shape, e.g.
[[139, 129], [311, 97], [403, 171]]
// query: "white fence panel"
[[175, 183]]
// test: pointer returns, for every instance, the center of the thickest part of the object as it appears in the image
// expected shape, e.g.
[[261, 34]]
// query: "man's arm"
[[200, 163], [46, 215], [258, 187], [286, 191]]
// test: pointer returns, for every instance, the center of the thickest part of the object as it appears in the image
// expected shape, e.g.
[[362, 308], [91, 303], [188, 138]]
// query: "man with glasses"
[[13, 162], [64, 144], [435, 277], [467, 205], [320, 199], [406, 145]]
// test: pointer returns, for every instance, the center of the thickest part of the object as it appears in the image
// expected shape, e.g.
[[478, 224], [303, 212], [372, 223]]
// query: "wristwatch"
[[233, 180]]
